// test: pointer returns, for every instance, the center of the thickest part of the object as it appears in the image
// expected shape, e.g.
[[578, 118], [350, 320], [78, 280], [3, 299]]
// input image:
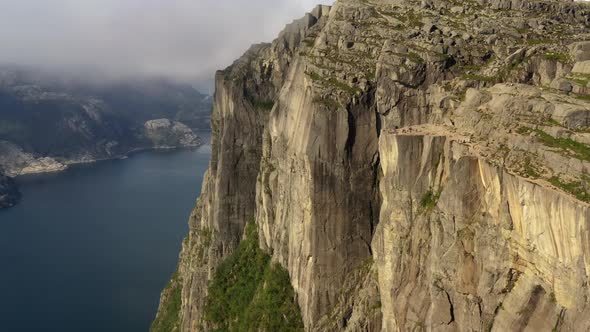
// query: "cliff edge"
[[412, 165]]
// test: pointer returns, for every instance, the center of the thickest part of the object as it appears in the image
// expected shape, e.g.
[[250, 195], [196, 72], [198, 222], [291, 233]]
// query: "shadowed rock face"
[[413, 165], [9, 195]]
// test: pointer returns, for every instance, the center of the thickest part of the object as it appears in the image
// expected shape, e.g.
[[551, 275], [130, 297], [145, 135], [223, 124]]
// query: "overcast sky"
[[185, 39]]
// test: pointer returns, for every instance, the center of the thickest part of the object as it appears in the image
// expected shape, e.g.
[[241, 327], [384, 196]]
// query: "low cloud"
[[181, 39]]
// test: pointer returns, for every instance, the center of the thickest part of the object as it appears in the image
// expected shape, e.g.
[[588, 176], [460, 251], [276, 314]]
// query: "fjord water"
[[91, 248]]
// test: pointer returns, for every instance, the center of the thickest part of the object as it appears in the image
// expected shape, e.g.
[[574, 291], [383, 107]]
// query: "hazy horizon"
[[183, 40]]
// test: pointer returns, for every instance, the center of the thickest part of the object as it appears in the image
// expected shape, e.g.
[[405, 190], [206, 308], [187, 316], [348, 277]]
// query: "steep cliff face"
[[413, 165], [245, 94], [492, 252]]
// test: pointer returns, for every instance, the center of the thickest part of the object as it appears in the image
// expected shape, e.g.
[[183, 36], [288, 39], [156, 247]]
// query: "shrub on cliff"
[[249, 293], [168, 318]]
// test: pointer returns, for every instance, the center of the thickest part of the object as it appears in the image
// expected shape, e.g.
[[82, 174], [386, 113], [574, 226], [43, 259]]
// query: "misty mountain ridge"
[[49, 121]]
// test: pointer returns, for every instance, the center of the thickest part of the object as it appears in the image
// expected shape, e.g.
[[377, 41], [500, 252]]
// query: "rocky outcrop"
[[166, 133], [17, 162], [413, 165], [9, 194], [492, 251]]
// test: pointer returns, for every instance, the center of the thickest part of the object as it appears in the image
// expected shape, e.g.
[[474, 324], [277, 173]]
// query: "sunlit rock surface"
[[414, 165]]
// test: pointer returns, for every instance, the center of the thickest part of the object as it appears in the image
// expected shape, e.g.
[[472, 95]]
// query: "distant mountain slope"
[[62, 125], [154, 99], [48, 122], [72, 121]]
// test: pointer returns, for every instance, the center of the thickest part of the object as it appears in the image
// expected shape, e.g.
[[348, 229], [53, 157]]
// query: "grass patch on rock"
[[327, 102], [580, 79], [559, 57], [332, 82], [568, 146], [576, 149], [168, 318], [263, 104], [480, 78], [429, 200], [249, 293], [577, 188], [266, 105]]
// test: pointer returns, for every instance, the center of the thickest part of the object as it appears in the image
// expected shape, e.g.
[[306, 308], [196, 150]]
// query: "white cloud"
[[118, 38]]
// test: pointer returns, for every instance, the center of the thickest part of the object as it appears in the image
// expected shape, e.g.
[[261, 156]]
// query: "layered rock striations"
[[413, 166]]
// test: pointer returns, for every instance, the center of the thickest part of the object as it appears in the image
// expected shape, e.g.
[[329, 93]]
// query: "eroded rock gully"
[[413, 165]]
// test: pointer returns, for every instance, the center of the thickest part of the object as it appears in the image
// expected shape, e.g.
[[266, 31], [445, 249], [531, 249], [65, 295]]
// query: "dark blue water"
[[90, 249]]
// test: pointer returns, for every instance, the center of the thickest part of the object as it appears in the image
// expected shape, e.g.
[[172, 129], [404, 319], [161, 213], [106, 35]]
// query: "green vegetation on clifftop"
[[249, 293], [568, 146]]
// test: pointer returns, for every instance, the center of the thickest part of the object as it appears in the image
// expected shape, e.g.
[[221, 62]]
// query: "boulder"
[[581, 51], [167, 133], [582, 67]]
